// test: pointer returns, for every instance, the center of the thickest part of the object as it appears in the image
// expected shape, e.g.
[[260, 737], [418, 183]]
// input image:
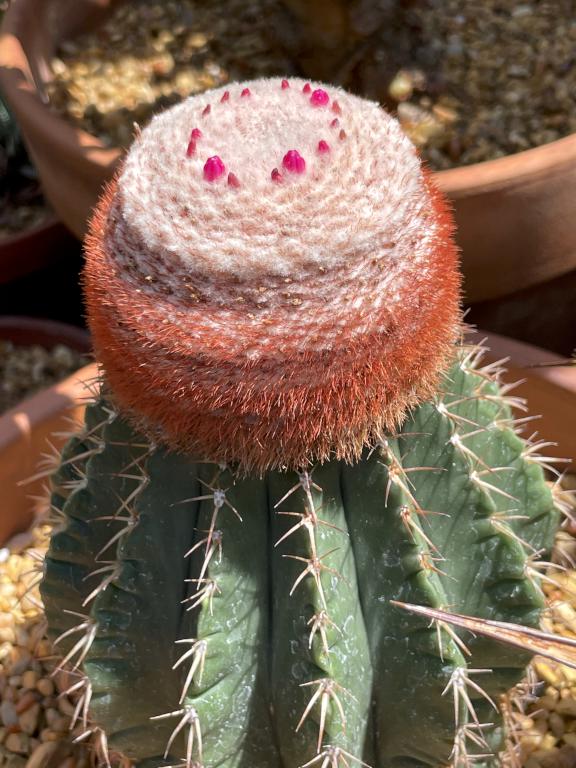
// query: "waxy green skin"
[[444, 515]]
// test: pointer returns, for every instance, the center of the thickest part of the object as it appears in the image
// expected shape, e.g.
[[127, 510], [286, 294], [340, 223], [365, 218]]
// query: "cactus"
[[290, 447]]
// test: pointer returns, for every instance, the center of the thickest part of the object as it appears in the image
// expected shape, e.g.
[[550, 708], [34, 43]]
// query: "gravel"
[[497, 77], [473, 80], [17, 218], [150, 55], [34, 714], [548, 728], [25, 370]]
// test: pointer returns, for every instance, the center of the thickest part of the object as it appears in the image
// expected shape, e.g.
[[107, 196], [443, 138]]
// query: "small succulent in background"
[[289, 449]]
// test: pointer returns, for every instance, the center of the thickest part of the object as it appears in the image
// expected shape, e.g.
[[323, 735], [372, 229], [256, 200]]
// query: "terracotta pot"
[[73, 166], [550, 392], [515, 215], [33, 249], [515, 218], [24, 430], [24, 434]]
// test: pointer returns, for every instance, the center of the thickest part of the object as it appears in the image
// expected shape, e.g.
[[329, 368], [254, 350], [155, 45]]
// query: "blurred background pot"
[[515, 220], [33, 249], [550, 391], [73, 166], [36, 353]]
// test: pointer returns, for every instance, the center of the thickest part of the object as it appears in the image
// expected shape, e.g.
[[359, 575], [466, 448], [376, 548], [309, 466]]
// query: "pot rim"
[[509, 171], [34, 249], [44, 332]]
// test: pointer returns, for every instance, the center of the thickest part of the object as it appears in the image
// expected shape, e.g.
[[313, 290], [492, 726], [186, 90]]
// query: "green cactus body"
[[295, 464], [246, 621]]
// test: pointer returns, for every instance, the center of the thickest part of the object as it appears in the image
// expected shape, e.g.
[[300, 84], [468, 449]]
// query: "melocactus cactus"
[[271, 279], [289, 442]]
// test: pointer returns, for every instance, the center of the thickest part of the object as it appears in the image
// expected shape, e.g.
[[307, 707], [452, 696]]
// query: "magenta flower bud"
[[294, 162], [319, 98], [213, 168]]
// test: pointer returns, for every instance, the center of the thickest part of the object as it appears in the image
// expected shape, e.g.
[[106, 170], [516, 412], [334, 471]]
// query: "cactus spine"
[[250, 502]]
